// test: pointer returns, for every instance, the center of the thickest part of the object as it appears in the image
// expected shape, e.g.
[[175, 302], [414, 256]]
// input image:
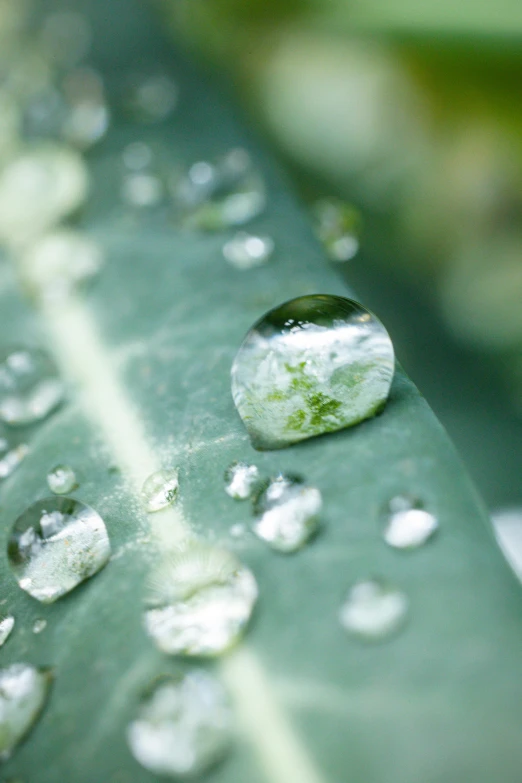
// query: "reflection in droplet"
[[55, 545], [152, 97], [246, 251], [30, 387], [160, 490], [39, 625], [374, 610], [313, 365], [287, 513], [240, 480], [408, 525], [337, 226], [58, 263], [6, 626], [213, 196], [10, 455], [23, 692], [183, 726], [61, 479], [200, 601]]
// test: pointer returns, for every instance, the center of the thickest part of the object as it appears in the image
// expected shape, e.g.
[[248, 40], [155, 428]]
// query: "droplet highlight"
[[408, 525], [30, 386], [160, 490], [55, 545], [313, 365], [200, 601], [183, 727], [61, 479], [241, 479], [246, 251], [23, 693], [374, 610], [6, 626], [287, 513]]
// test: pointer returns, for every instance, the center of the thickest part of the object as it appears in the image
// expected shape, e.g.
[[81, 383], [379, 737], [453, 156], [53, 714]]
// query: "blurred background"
[[411, 112]]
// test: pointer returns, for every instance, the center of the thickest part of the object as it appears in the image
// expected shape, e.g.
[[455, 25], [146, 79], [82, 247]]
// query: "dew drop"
[[408, 524], [30, 387], [337, 226], [23, 692], [240, 480], [183, 726], [199, 602], [246, 251], [287, 513], [373, 610], [10, 456], [141, 189], [238, 530], [59, 263], [160, 490], [152, 97], [313, 365], [39, 625], [61, 479], [55, 545], [213, 196], [6, 626]]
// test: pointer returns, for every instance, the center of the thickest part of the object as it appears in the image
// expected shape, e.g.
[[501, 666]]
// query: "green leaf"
[[147, 354]]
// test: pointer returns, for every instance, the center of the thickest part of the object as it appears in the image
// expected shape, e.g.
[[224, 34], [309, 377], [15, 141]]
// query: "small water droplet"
[[338, 227], [160, 490], [313, 365], [39, 625], [238, 530], [287, 513], [246, 251], [213, 196], [408, 525], [183, 726], [58, 263], [10, 455], [55, 545], [374, 610], [199, 602], [30, 387], [23, 692], [240, 480], [152, 97], [6, 626], [61, 479]]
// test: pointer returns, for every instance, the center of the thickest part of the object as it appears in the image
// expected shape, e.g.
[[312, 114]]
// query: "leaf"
[[147, 354]]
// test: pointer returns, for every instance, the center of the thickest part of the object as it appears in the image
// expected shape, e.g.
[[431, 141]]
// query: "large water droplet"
[[246, 251], [160, 490], [6, 626], [408, 525], [183, 726], [58, 263], [30, 387], [240, 480], [61, 479], [55, 545], [213, 196], [313, 365], [373, 610], [200, 602], [337, 226], [23, 692], [287, 513], [10, 455]]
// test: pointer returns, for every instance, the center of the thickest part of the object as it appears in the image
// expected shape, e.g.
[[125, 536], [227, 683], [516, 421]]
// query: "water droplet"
[[58, 263], [287, 513], [507, 526], [152, 97], [213, 196], [337, 226], [142, 190], [10, 455], [23, 692], [408, 525], [313, 365], [55, 545], [30, 387], [374, 610], [39, 625], [199, 602], [246, 251], [241, 480], [38, 189], [6, 626], [183, 726], [61, 479], [160, 490], [238, 530]]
